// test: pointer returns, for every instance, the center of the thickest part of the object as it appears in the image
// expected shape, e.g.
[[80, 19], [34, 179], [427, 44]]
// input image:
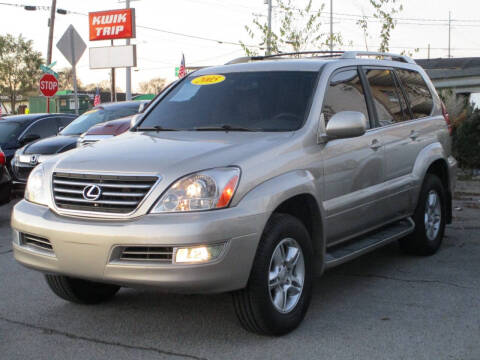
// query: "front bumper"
[[83, 248]]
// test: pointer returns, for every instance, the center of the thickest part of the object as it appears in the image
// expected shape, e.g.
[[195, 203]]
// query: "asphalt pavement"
[[385, 305]]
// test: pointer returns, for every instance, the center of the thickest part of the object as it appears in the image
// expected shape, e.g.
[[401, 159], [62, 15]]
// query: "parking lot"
[[385, 305]]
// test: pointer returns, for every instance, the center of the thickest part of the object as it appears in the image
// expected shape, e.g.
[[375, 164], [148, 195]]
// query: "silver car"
[[253, 177]]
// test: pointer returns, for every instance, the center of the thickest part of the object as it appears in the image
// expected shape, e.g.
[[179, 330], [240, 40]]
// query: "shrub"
[[466, 141]]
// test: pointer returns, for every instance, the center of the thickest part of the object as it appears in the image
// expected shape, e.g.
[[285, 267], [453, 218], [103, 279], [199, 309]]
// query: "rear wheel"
[[429, 218], [5, 191], [80, 291], [280, 286]]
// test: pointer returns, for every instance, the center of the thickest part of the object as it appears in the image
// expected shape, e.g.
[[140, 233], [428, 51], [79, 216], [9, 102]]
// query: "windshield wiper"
[[155, 128], [225, 127]]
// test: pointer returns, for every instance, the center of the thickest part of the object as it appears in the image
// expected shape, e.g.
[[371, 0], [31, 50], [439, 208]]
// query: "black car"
[[18, 130], [36, 152], [5, 180]]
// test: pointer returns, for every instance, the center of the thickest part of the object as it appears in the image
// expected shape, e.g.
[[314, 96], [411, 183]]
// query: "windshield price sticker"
[[208, 79]]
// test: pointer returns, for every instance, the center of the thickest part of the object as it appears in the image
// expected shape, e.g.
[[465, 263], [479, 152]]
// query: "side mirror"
[[346, 124], [29, 138], [60, 129], [135, 120]]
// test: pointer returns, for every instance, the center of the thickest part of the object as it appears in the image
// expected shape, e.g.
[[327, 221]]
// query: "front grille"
[[36, 242], [118, 194], [21, 173], [163, 254]]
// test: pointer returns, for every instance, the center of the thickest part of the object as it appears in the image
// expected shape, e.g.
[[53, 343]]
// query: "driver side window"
[[43, 128], [345, 93]]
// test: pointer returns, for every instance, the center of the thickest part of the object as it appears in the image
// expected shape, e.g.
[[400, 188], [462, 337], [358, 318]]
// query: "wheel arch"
[[296, 194], [433, 160]]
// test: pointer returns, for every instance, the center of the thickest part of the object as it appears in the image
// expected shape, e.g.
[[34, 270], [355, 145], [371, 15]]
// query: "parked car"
[[18, 130], [105, 130], [37, 152], [5, 179], [252, 177]]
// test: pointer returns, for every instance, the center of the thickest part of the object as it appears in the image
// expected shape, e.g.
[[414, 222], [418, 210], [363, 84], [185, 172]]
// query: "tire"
[[254, 305], [5, 191], [429, 220], [80, 291]]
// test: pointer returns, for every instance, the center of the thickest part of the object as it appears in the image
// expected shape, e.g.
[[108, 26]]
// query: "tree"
[[19, 67], [103, 86], [299, 28], [65, 79], [384, 11], [153, 86]]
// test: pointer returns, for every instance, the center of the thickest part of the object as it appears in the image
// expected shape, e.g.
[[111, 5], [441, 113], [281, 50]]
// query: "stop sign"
[[48, 85]]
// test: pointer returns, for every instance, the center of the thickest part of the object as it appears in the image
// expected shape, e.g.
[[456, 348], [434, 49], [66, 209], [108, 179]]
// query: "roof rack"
[[393, 57], [323, 53], [326, 54]]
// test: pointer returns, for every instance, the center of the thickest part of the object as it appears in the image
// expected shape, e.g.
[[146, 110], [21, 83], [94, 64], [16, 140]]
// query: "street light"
[[51, 23]]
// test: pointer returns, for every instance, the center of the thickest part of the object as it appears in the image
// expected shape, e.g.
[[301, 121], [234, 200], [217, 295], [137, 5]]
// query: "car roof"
[[309, 61], [267, 65], [28, 118]]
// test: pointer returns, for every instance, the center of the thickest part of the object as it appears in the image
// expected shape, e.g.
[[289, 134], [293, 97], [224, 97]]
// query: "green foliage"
[[466, 141], [385, 10], [19, 67], [298, 29]]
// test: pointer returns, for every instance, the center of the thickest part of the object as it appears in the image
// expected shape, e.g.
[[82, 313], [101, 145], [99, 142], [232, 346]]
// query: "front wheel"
[[429, 218], [80, 291], [280, 285]]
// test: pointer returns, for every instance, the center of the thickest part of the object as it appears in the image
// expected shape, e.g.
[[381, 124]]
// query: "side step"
[[353, 248]]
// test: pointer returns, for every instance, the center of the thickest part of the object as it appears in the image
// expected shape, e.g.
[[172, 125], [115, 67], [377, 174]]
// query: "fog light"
[[198, 254]]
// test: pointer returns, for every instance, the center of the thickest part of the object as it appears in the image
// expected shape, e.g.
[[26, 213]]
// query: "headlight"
[[205, 190], [36, 190]]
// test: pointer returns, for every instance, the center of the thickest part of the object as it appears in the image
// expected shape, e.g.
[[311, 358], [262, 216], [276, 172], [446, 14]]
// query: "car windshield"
[[241, 101], [84, 122], [9, 131]]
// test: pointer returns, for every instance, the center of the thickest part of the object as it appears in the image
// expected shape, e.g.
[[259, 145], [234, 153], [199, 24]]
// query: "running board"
[[353, 248]]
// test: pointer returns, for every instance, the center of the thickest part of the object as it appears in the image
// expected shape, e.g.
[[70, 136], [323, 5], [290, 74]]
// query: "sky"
[[420, 23]]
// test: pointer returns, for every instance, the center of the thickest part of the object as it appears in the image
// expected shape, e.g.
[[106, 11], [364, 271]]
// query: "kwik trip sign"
[[112, 24]]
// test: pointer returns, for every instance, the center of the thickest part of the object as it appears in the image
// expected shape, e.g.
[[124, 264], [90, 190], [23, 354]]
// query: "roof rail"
[[325, 53], [393, 57]]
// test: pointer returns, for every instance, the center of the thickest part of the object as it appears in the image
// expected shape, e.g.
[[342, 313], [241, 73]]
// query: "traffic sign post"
[[72, 47], [48, 87]]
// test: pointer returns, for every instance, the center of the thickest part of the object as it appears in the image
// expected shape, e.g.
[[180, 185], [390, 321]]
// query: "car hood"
[[52, 145], [114, 127], [168, 153]]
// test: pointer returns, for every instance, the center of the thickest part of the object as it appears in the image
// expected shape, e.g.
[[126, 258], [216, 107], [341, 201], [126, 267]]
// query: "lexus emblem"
[[33, 160], [92, 192]]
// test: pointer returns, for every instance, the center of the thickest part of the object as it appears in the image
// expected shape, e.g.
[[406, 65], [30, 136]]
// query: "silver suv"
[[252, 177]]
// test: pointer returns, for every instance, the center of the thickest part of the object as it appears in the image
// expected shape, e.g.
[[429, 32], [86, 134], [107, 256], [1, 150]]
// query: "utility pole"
[[449, 32], [51, 24], [269, 35], [128, 82], [113, 86], [428, 52], [331, 25]]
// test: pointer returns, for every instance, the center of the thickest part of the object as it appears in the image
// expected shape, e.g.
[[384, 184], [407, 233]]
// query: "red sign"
[[48, 85], [112, 24]]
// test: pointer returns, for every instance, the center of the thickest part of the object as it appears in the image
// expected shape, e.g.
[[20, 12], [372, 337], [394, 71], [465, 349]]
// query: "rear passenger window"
[[418, 94], [386, 96], [345, 93]]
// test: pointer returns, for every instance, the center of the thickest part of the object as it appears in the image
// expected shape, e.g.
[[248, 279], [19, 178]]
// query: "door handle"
[[375, 145], [414, 135]]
